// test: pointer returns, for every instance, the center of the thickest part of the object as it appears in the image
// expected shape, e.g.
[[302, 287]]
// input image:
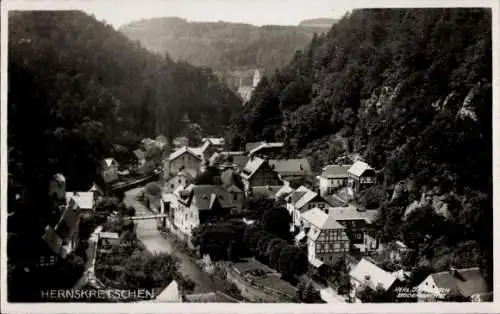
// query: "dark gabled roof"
[[53, 240], [266, 191], [333, 201], [185, 150], [230, 178], [140, 154], [240, 160], [252, 145], [291, 166], [252, 166], [359, 168], [67, 223], [207, 196], [335, 171], [469, 281], [297, 195]]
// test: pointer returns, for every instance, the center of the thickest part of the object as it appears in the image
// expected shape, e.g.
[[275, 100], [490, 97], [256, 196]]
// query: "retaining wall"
[[253, 291]]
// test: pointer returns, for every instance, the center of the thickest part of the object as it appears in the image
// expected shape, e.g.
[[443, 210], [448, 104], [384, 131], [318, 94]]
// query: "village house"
[[183, 159], [198, 204], [217, 142], [257, 173], [268, 191], [109, 170], [291, 168], [353, 220], [239, 161], [398, 251], [57, 187], [360, 176], [301, 200], [50, 255], [68, 226], [225, 157], [157, 144], [225, 160], [368, 275], [109, 238], [266, 150], [371, 242], [180, 141], [61, 237], [96, 192], [232, 183], [333, 177], [251, 145], [205, 151], [465, 284], [182, 178], [283, 192], [140, 155], [84, 201], [327, 240]]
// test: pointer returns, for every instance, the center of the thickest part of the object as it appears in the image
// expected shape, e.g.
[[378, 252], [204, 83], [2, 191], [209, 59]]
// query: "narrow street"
[[151, 237]]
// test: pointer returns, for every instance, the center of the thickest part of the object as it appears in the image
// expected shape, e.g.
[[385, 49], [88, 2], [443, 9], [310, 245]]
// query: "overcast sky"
[[257, 12]]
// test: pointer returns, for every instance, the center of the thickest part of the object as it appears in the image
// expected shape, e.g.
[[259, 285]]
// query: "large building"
[[198, 204], [302, 200], [245, 90], [332, 178], [326, 238], [185, 159], [258, 173]]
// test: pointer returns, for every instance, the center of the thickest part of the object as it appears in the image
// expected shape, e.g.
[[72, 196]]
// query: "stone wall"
[[253, 292]]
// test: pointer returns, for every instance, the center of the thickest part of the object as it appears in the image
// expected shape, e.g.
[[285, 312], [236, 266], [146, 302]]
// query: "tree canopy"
[[406, 89]]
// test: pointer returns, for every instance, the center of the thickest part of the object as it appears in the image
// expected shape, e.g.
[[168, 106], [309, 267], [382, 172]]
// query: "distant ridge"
[[318, 22], [225, 46]]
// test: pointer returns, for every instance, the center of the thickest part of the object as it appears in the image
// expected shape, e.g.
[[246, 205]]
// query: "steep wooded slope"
[[409, 90], [222, 46]]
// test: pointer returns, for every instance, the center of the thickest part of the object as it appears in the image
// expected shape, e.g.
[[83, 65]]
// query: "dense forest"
[[411, 92], [79, 91], [77, 86], [223, 46]]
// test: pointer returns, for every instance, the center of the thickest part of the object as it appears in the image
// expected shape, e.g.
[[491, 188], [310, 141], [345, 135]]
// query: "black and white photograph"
[[306, 153]]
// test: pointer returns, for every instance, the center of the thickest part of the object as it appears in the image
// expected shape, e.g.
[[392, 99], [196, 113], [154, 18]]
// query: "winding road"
[[154, 241]]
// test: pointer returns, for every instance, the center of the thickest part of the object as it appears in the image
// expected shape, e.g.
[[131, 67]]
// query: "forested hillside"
[[77, 88], [222, 46], [411, 91]]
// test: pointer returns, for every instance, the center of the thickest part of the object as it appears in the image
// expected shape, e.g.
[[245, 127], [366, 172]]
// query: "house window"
[[235, 196], [171, 186], [322, 205], [179, 181], [336, 247]]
